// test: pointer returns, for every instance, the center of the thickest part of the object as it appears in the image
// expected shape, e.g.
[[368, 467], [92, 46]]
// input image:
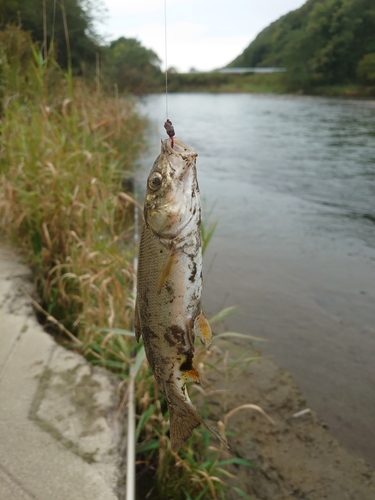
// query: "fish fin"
[[202, 330], [137, 323], [191, 375], [183, 420], [166, 270], [216, 433]]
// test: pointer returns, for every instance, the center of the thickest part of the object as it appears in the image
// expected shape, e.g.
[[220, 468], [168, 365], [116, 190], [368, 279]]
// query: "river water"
[[291, 182]]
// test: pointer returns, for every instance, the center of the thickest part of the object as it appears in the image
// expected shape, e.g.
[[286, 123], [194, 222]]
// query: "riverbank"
[[273, 83], [294, 458]]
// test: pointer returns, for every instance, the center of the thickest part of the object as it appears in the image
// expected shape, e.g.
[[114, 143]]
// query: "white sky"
[[204, 34]]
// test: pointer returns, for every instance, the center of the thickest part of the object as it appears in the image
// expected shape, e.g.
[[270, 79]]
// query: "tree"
[[320, 43], [133, 67], [76, 15], [366, 68]]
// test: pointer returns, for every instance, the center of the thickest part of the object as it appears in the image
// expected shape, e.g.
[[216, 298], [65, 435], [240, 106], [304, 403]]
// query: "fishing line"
[[166, 58], [130, 452], [168, 124]]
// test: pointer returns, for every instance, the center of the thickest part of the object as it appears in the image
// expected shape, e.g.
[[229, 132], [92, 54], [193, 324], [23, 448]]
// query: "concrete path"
[[59, 437]]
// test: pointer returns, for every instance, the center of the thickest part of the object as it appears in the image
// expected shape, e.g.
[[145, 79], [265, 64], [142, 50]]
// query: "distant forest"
[[69, 26], [325, 42]]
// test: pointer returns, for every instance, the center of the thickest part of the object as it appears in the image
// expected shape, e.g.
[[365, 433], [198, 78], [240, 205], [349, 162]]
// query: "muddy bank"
[[297, 458]]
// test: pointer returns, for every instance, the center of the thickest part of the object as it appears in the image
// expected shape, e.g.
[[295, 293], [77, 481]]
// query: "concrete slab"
[[59, 437], [11, 263], [10, 489]]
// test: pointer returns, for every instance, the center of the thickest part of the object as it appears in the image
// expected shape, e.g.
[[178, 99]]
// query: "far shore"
[[274, 83]]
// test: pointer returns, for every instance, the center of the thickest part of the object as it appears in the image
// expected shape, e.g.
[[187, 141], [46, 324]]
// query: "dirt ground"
[[295, 458]]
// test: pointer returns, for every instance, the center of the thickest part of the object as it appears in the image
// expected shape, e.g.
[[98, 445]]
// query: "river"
[[291, 182]]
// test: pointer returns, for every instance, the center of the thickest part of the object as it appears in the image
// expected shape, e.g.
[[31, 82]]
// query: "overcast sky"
[[204, 34]]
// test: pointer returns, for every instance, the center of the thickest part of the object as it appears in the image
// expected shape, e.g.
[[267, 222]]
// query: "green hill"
[[324, 42]]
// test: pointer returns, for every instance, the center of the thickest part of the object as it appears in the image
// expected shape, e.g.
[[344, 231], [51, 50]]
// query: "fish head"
[[172, 196]]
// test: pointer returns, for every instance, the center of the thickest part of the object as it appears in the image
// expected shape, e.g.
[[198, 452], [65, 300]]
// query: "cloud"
[[126, 7], [205, 34], [190, 45], [206, 54]]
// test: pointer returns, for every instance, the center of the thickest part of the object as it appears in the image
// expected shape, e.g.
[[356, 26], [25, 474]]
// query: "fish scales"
[[165, 333], [168, 307]]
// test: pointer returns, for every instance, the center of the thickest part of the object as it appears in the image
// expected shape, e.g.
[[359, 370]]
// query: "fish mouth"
[[179, 149], [179, 159]]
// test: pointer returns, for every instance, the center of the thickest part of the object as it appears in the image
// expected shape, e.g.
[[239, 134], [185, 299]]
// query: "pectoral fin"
[[202, 330], [191, 375], [137, 323], [166, 270]]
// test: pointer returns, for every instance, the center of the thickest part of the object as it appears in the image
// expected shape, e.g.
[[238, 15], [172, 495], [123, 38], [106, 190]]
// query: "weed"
[[64, 151], [207, 228]]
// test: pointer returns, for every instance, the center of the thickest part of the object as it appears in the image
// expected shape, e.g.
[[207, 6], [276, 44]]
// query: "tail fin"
[[183, 420]]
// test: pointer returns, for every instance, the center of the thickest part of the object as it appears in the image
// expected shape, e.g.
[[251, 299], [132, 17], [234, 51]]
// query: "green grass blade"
[[202, 493], [150, 445], [239, 336], [235, 461], [138, 362], [241, 493], [225, 313], [144, 417], [187, 494]]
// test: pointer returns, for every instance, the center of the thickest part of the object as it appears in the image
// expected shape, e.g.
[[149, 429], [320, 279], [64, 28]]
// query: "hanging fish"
[[168, 307]]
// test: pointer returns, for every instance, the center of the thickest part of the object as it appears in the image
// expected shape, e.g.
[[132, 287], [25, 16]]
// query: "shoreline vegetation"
[[273, 83], [324, 45]]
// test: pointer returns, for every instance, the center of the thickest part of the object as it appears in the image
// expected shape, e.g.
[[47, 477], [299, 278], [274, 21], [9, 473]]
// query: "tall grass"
[[65, 148], [64, 151]]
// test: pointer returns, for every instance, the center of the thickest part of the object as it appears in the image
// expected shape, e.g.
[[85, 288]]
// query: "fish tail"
[[183, 420]]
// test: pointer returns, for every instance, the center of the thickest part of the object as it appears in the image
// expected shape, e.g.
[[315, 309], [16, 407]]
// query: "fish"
[[168, 312]]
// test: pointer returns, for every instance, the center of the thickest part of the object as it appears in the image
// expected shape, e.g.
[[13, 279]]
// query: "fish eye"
[[155, 181]]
